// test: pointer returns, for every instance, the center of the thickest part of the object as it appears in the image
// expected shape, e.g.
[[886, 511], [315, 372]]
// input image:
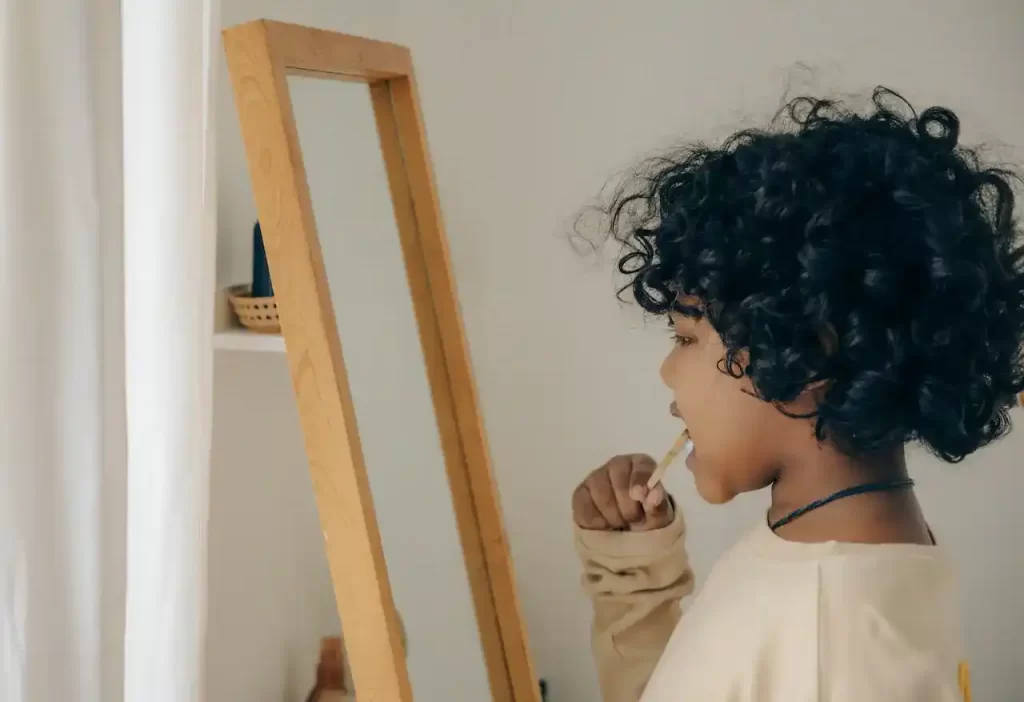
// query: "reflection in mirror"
[[395, 416]]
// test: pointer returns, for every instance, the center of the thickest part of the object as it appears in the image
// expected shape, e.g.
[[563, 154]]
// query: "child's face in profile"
[[737, 438]]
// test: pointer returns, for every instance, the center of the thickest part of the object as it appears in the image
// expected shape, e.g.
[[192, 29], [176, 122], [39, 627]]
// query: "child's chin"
[[713, 492]]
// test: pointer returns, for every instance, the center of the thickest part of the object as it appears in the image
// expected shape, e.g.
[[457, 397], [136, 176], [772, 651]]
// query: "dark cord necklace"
[[891, 486]]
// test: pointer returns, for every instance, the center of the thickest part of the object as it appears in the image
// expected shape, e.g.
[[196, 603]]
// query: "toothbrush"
[[683, 442]]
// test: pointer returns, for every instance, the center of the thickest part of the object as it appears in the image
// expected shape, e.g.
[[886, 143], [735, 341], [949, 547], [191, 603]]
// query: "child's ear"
[[805, 406], [817, 390]]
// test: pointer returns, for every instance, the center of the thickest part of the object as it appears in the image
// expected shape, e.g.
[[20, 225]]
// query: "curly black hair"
[[865, 251]]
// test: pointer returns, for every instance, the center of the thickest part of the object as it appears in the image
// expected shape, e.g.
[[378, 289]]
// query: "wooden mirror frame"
[[260, 55]]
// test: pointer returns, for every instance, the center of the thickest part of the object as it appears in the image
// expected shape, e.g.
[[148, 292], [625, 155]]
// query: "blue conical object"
[[262, 286]]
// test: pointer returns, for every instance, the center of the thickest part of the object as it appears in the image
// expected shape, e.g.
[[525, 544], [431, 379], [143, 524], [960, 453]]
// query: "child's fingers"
[[585, 512], [602, 493], [631, 509], [642, 469], [655, 506], [654, 498], [657, 511], [647, 497]]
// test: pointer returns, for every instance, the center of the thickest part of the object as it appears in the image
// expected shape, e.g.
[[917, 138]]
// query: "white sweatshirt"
[[776, 621]]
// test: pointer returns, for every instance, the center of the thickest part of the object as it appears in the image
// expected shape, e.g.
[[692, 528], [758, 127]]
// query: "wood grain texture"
[[424, 301], [484, 489], [322, 53], [260, 55], [344, 503]]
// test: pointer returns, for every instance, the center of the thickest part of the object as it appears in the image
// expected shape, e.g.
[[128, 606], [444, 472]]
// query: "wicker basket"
[[256, 313]]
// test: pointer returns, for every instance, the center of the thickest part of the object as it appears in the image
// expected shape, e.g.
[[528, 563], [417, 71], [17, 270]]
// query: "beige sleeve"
[[635, 581]]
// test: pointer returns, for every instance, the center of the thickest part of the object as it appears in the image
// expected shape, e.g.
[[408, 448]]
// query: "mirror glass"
[[394, 412]]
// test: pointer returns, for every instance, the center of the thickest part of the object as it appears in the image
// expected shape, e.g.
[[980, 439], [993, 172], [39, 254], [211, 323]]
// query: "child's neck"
[[879, 517]]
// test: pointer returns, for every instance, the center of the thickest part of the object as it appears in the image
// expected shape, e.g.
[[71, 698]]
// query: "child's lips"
[[673, 409], [690, 459]]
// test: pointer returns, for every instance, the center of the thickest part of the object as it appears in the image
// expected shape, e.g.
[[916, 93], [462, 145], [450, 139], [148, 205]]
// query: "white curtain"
[[106, 288]]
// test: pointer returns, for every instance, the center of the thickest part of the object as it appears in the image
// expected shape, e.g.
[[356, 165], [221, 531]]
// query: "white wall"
[[530, 108], [270, 597]]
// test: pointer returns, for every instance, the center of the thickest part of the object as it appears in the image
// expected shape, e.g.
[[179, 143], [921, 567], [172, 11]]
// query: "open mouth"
[[688, 450]]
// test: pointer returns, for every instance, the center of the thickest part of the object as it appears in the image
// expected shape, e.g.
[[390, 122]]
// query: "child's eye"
[[679, 339]]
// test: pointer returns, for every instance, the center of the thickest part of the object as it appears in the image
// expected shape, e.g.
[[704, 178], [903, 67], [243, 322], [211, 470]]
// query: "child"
[[836, 289]]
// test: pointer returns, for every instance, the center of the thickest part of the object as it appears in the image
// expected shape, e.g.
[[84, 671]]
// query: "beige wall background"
[[531, 107]]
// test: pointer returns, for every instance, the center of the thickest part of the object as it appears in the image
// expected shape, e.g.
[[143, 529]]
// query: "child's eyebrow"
[[674, 318]]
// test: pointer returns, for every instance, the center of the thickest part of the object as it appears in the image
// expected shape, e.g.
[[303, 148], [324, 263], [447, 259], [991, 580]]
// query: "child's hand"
[[615, 497]]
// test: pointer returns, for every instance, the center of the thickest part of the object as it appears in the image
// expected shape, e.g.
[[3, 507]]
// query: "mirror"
[[395, 442], [383, 356]]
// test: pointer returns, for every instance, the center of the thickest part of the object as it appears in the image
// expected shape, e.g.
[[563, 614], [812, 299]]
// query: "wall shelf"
[[228, 335], [244, 340]]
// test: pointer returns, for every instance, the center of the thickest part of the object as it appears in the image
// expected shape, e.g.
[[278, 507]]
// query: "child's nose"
[[669, 370]]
